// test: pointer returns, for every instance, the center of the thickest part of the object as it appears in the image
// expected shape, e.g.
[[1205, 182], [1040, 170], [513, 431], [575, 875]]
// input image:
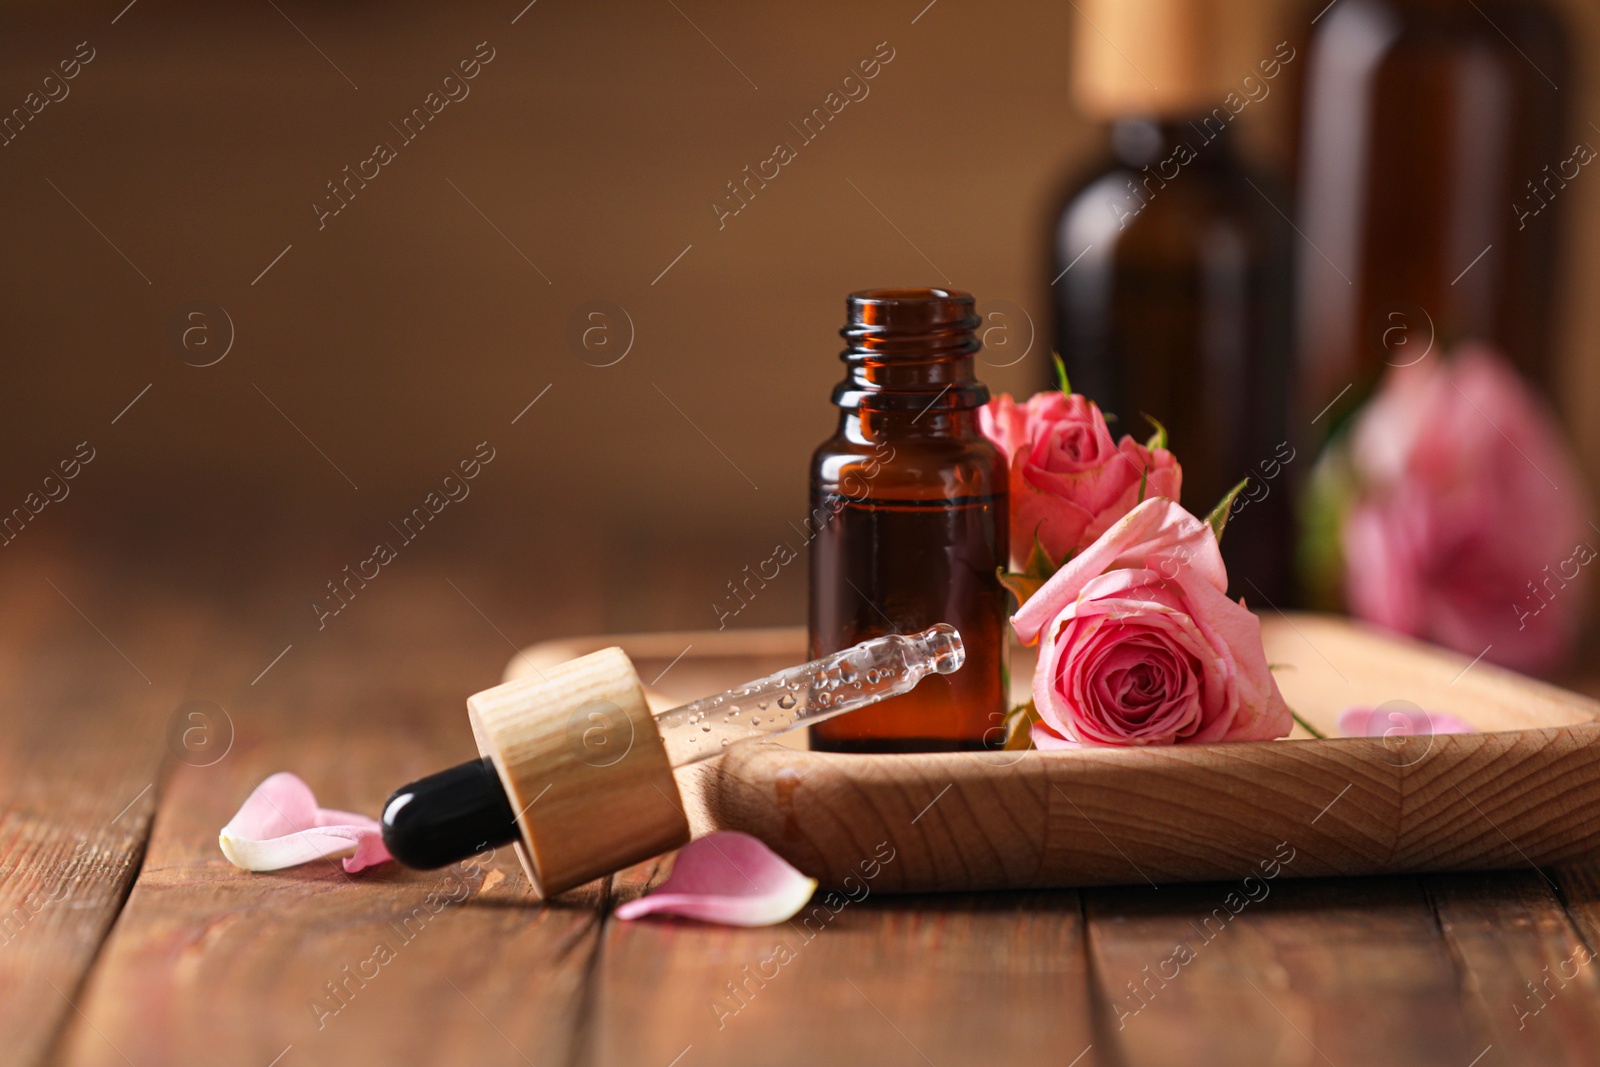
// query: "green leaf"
[[1218, 519], [1331, 491], [1061, 374], [1157, 439]]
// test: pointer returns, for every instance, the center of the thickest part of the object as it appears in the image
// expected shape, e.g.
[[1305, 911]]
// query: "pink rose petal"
[[1005, 422], [1047, 740], [1401, 722], [1157, 535], [280, 826], [730, 878]]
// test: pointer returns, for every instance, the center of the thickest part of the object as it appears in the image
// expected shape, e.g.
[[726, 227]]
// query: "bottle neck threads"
[[910, 350]]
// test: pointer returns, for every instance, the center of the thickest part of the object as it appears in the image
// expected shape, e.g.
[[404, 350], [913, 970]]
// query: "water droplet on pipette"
[[786, 701]]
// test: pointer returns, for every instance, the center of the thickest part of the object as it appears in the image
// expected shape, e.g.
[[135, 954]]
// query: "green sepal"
[[1312, 730], [1035, 572], [1021, 586], [1157, 439], [1019, 727], [1039, 564], [1218, 519], [1061, 374]]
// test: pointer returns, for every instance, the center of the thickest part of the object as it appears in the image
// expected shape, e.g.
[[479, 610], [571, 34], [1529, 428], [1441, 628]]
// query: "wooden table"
[[126, 938]]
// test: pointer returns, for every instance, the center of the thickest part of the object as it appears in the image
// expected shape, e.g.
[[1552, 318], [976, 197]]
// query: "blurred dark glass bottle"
[[1431, 166], [1171, 266]]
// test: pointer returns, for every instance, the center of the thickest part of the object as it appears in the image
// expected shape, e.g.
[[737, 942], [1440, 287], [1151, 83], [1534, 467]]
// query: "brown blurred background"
[[372, 355]]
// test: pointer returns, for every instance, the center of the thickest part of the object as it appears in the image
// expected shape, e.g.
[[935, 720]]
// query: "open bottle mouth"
[[885, 321], [930, 304], [909, 347]]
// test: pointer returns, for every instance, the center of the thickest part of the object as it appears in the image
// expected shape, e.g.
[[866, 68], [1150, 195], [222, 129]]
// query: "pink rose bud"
[[1070, 479], [1140, 645], [1469, 525]]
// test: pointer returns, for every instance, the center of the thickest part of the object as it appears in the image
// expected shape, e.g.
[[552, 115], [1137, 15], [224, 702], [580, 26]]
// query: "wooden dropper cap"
[[583, 767]]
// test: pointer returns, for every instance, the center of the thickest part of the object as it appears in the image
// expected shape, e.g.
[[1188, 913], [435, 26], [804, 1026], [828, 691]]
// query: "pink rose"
[[1468, 526], [1070, 479], [1140, 645], [1010, 424]]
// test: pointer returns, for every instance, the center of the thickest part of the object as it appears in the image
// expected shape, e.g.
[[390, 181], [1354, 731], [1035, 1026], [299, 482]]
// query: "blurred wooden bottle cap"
[[1148, 58], [577, 751]]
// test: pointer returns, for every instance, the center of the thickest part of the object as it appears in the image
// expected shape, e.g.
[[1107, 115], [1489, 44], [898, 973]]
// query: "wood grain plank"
[[854, 978], [1526, 970], [1262, 970], [1579, 887], [79, 770], [210, 964]]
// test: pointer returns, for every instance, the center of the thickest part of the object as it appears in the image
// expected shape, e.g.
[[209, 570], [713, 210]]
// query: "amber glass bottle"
[[908, 520], [1171, 260]]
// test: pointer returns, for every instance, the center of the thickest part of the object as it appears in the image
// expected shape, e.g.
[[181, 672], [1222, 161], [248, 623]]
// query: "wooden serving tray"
[[1526, 791]]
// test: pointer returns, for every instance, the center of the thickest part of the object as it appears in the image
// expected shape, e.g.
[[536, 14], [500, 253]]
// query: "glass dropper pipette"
[[810, 693], [451, 815]]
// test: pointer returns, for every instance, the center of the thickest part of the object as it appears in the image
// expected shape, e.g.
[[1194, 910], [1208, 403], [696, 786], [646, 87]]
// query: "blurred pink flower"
[[1070, 479], [1140, 645], [1469, 525], [1390, 721]]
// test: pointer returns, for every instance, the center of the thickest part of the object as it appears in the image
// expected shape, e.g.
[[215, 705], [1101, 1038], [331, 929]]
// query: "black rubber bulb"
[[445, 817]]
